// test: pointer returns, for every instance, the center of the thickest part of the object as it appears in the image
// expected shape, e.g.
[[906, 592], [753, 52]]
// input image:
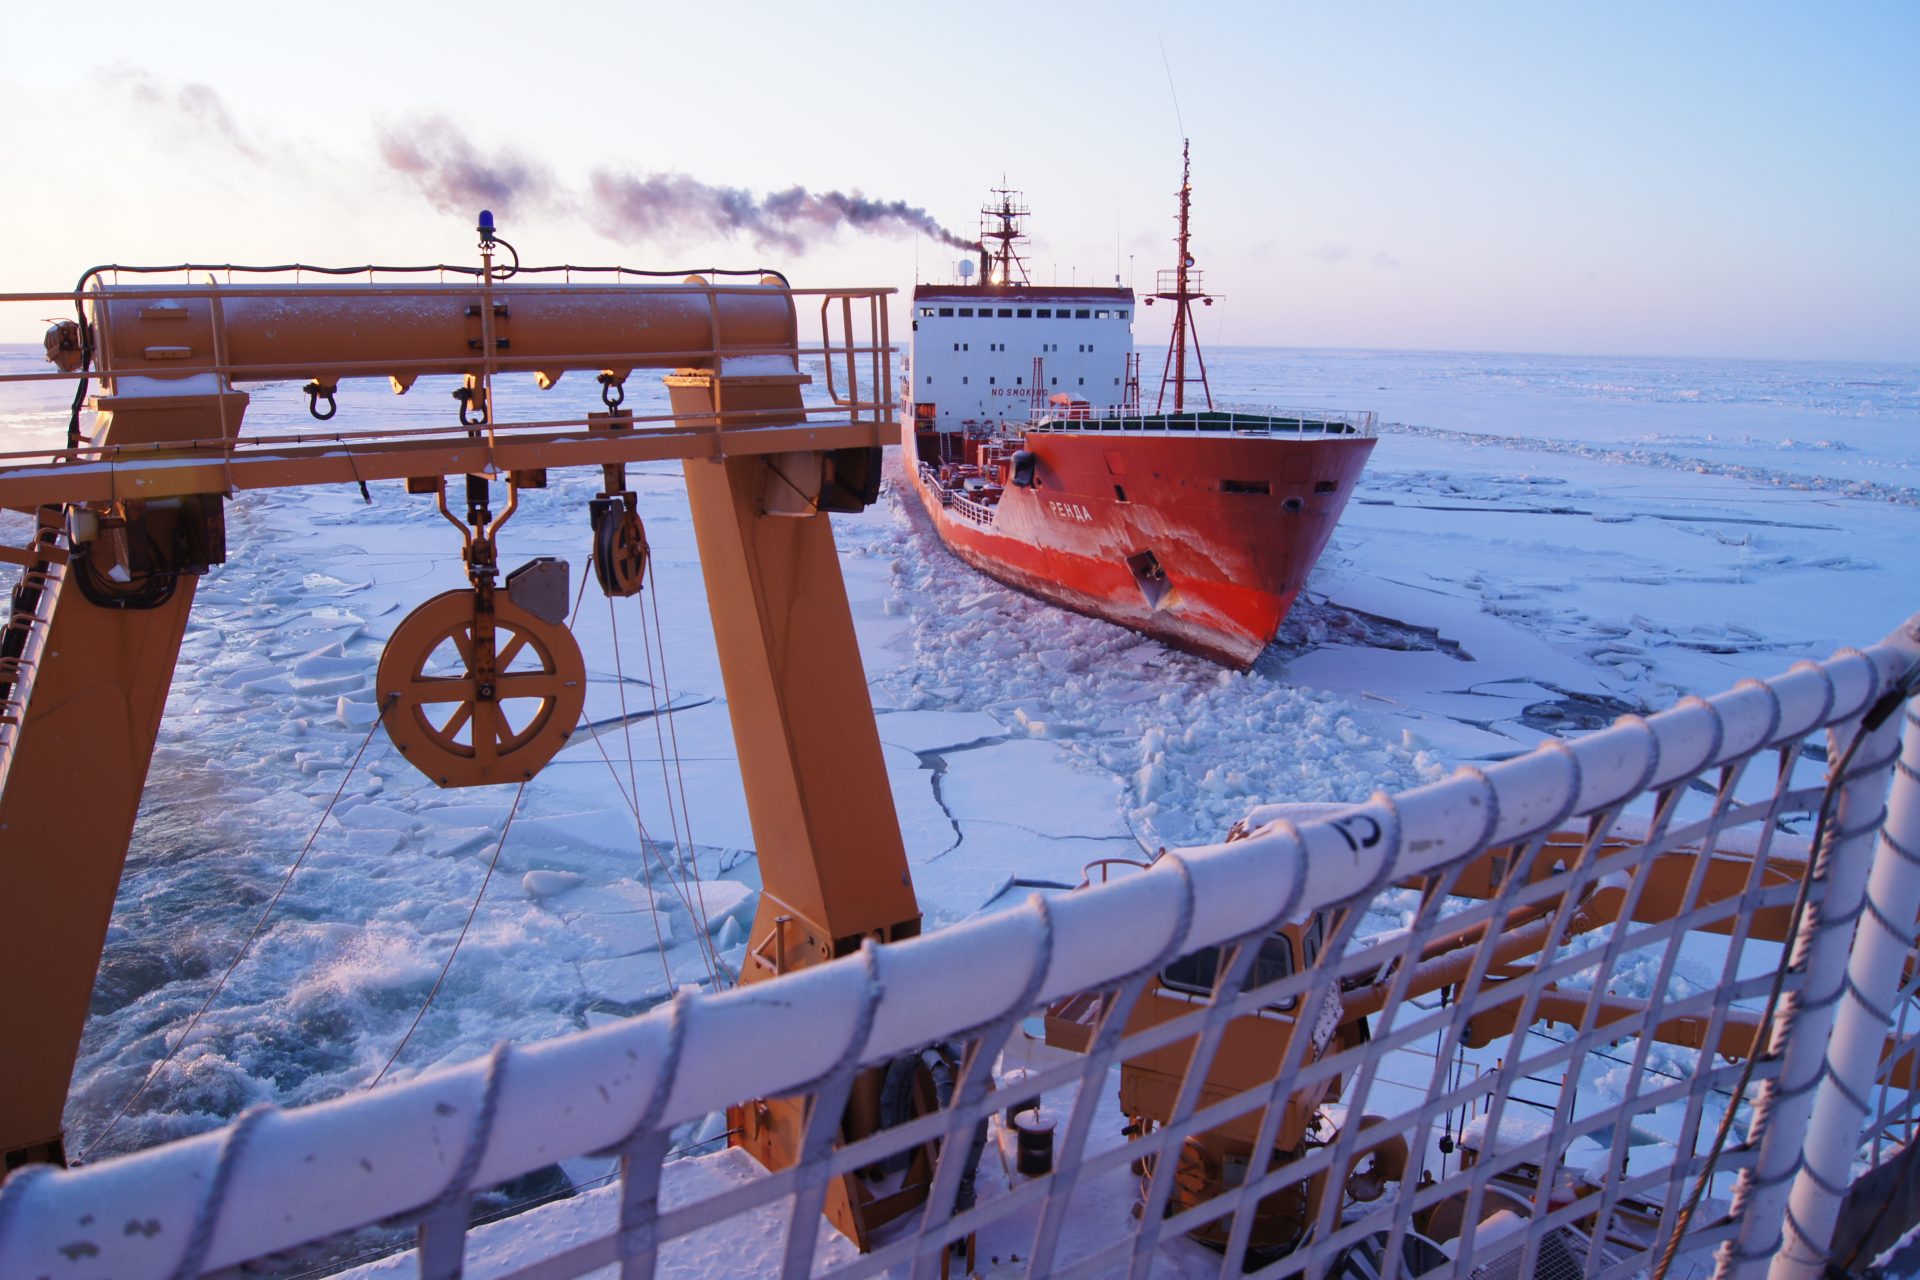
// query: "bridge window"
[[1081, 314], [946, 311], [1024, 313], [1120, 315], [966, 311], [1005, 311], [1046, 313]]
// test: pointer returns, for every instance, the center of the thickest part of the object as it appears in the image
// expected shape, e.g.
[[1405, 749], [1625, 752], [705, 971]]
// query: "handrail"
[[255, 1187], [978, 512], [1291, 423]]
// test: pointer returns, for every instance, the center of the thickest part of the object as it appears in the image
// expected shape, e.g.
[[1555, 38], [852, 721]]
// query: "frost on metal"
[[1526, 1093]]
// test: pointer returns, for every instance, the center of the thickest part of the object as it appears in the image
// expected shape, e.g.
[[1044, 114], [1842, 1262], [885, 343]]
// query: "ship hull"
[[1200, 540]]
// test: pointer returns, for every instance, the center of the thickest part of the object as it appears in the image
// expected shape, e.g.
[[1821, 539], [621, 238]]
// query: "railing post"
[[1804, 1021], [1882, 946]]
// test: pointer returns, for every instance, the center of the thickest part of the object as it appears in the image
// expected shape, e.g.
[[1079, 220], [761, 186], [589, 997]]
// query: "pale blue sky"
[[1705, 179]]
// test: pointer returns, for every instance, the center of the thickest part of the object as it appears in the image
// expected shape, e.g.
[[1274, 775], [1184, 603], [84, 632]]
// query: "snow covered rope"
[[1634, 886]]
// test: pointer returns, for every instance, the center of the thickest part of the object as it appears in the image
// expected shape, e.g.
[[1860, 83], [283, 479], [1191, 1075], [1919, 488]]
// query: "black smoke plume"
[[450, 171], [443, 163], [631, 206], [199, 105]]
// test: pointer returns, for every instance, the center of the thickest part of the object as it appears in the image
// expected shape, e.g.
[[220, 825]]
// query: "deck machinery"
[[127, 519]]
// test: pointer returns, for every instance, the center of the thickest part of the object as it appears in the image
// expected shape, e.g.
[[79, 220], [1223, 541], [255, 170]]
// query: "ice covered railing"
[[1643, 883]]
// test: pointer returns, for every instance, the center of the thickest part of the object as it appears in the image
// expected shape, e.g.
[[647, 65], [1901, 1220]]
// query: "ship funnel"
[[986, 266]]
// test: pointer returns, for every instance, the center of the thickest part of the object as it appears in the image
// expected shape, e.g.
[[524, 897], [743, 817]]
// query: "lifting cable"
[[159, 1067], [632, 797], [666, 686], [472, 911], [512, 811], [691, 895]]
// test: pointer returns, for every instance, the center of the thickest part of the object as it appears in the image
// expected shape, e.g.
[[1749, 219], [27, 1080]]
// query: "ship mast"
[[1181, 286], [1005, 229]]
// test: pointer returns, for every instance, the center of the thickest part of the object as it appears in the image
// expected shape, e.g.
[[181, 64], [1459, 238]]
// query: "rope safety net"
[[1598, 1010]]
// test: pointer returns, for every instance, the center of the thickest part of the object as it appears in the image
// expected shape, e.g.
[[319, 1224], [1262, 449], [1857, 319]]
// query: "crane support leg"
[[71, 792], [824, 826], [833, 869]]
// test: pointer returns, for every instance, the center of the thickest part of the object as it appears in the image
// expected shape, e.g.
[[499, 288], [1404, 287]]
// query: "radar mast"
[[1000, 229], [1181, 286]]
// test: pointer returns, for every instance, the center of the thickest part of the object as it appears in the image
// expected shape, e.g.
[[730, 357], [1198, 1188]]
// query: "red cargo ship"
[[1025, 439]]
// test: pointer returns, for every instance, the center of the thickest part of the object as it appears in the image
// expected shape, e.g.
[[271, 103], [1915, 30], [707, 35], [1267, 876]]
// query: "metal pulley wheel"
[[448, 724], [619, 547]]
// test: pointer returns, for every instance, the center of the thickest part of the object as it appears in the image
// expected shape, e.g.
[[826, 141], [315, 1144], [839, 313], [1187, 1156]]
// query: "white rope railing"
[[1656, 918]]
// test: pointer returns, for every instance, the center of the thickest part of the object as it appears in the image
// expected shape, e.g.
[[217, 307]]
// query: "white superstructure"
[[974, 348]]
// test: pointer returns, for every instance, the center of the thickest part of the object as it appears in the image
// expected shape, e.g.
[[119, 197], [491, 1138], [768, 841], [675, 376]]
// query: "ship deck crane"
[[128, 518]]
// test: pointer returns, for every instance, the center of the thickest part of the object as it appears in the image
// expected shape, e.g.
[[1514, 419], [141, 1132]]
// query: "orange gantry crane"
[[127, 519]]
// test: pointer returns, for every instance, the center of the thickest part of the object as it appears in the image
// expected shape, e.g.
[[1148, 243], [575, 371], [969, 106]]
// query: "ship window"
[[966, 346], [1103, 315], [1083, 382], [1116, 382], [993, 382], [1119, 494], [946, 311], [1080, 314], [1245, 486], [1054, 383], [956, 346], [963, 379], [1005, 311], [1019, 382], [1313, 938], [1324, 486], [929, 379], [1195, 974], [1119, 315], [1024, 313], [1046, 313], [966, 311]]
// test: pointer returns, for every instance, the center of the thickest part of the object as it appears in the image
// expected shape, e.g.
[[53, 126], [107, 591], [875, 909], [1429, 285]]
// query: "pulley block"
[[619, 545], [465, 722]]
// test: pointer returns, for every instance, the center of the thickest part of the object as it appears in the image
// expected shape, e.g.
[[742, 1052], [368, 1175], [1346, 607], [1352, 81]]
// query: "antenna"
[[1182, 287], [1173, 91], [1000, 227]]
